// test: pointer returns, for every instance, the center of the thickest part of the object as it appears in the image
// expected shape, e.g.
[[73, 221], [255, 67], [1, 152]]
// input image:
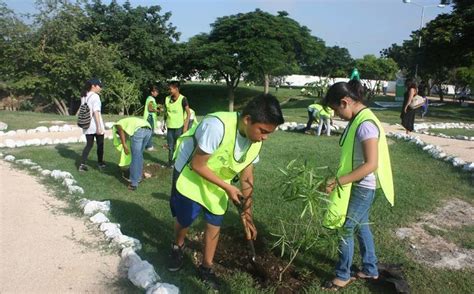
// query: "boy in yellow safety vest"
[[176, 105], [224, 145]]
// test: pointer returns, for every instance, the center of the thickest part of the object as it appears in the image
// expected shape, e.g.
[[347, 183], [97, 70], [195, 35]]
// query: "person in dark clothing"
[[408, 115]]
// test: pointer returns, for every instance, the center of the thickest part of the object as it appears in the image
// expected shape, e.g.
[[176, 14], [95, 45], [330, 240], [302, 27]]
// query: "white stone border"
[[423, 127], [435, 151], [294, 126], [140, 272]]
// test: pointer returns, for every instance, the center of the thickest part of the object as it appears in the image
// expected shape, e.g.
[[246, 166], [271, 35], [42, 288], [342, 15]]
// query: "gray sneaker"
[[176, 258], [83, 168]]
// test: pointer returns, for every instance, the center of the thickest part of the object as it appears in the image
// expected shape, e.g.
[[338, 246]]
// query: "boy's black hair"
[[336, 92], [174, 84], [264, 108]]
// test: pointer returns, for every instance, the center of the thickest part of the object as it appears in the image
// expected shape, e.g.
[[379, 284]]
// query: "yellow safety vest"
[[337, 209], [222, 163], [129, 125], [322, 111], [174, 112], [146, 112]]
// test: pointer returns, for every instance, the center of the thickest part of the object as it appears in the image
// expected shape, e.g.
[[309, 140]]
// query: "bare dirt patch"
[[433, 249]]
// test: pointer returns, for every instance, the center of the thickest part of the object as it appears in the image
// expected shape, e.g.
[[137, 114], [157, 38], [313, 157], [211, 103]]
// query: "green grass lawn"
[[145, 214], [454, 132]]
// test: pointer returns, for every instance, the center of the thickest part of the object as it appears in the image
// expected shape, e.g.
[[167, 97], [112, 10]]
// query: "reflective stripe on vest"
[[146, 112], [174, 112], [129, 125], [337, 209], [221, 162]]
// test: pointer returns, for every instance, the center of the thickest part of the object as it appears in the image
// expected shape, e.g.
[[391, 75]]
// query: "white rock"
[[3, 126], [96, 206], [36, 167], [129, 257], [142, 274], [20, 143], [163, 288], [10, 133], [99, 218], [2, 133], [26, 161], [1, 155], [9, 143], [10, 158], [108, 226], [69, 182], [31, 131], [125, 241], [428, 147], [65, 128], [112, 233], [46, 141], [42, 129], [468, 167], [458, 162], [56, 141], [54, 128], [21, 132], [75, 189], [33, 142], [45, 172], [57, 174], [2, 145], [82, 139]]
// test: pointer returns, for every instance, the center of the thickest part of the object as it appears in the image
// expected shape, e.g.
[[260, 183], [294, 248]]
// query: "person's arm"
[[246, 184], [186, 120], [411, 94], [123, 140], [199, 165], [150, 107], [165, 116], [371, 157]]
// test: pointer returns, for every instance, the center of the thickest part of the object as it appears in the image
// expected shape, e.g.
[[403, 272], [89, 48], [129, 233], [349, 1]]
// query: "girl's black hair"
[[154, 88], [264, 108], [86, 88], [337, 91]]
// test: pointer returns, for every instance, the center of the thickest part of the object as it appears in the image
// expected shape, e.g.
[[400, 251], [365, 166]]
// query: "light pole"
[[421, 23]]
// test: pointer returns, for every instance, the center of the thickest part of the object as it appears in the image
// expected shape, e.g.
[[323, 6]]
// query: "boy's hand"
[[126, 150], [250, 229], [233, 193]]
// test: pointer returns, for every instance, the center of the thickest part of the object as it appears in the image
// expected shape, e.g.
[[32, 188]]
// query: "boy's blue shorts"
[[186, 210]]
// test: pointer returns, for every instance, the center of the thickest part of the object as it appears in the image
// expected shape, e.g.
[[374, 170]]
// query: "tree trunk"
[[230, 96], [266, 83], [61, 107], [441, 93]]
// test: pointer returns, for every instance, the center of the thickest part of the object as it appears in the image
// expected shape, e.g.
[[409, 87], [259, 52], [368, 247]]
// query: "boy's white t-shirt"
[[209, 135], [94, 103]]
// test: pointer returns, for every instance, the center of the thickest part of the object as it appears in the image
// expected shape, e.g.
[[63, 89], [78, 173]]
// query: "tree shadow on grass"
[[156, 236]]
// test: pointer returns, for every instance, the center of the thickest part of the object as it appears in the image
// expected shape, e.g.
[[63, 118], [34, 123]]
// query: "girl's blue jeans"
[[150, 120], [357, 222], [137, 146]]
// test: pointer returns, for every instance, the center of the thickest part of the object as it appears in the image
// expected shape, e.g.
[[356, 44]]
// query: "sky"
[[362, 26]]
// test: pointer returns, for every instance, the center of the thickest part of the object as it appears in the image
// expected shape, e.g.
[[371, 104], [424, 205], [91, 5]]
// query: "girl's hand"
[[331, 185], [250, 229], [126, 150]]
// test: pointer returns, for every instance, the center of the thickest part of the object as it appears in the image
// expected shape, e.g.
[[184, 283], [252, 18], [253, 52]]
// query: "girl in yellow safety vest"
[[364, 167]]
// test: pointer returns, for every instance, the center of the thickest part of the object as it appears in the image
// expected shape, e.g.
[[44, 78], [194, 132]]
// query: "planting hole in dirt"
[[233, 255]]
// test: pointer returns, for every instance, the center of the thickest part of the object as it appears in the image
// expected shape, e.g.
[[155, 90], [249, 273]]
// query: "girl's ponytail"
[[87, 87], [357, 90]]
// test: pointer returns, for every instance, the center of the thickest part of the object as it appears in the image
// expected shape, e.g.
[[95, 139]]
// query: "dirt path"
[[43, 250]]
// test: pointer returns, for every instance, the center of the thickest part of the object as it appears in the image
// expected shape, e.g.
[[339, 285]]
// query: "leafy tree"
[[123, 93], [143, 35], [377, 69], [336, 62]]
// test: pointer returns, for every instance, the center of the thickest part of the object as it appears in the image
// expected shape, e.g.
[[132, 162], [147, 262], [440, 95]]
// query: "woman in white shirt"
[[90, 95]]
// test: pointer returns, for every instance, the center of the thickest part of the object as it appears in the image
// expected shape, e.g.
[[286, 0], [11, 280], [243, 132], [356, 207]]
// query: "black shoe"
[[83, 168], [176, 258], [209, 278], [102, 165]]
